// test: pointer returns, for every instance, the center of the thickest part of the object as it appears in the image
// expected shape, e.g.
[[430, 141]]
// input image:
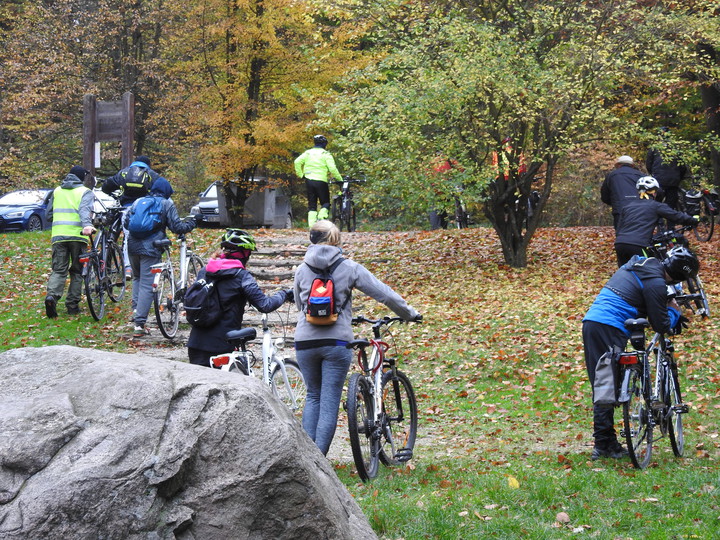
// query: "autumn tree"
[[462, 79], [249, 75]]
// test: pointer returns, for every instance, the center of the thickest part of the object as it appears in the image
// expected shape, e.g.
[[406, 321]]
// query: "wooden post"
[[128, 129], [89, 132]]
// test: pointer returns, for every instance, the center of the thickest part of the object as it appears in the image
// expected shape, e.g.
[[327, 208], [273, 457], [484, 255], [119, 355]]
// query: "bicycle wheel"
[[673, 419], [701, 302], [294, 396], [400, 419], [115, 272], [352, 218], [365, 446], [704, 229], [637, 423], [167, 313], [336, 211], [94, 289], [460, 215]]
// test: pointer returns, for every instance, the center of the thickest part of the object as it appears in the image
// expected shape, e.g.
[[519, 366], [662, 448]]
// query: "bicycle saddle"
[[238, 337], [162, 244], [357, 344], [636, 324]]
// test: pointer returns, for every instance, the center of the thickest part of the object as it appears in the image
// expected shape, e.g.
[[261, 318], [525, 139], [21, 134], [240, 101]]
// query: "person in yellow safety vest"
[[315, 166], [70, 211]]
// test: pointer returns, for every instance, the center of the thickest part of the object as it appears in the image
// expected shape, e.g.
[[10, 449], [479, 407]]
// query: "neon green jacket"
[[315, 164], [70, 209]]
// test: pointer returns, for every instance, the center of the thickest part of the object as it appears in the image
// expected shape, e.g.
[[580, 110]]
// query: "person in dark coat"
[[236, 288], [639, 218], [618, 188], [669, 172], [143, 254], [636, 289]]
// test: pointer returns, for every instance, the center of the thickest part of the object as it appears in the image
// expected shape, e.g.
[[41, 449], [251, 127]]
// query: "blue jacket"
[[170, 219], [637, 289]]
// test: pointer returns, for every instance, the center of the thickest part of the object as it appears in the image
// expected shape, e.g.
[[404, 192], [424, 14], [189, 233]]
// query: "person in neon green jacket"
[[315, 166], [70, 211]]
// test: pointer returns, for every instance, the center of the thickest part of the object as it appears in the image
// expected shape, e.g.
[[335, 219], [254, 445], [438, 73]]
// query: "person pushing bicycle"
[[315, 166], [235, 287], [636, 289]]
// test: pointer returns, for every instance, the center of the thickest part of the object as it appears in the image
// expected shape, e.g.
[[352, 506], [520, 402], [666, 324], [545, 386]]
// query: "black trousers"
[[317, 190], [597, 339], [624, 252]]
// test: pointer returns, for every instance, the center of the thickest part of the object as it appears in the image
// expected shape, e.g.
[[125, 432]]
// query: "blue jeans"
[[142, 293], [324, 370]]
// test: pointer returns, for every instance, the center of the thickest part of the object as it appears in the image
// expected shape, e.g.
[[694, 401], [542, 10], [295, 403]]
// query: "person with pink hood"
[[236, 287]]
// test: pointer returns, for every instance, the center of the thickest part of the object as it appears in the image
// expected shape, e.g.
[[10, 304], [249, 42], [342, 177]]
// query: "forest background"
[[228, 90]]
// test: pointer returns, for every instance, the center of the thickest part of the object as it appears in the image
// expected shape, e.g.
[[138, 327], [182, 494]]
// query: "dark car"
[[24, 210]]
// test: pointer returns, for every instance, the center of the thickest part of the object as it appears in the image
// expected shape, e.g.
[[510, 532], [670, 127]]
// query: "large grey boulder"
[[96, 444]]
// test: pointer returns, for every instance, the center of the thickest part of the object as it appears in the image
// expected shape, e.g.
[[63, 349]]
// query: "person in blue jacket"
[[636, 289], [143, 254]]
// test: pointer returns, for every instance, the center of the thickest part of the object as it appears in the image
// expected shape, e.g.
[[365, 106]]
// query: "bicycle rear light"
[[220, 360], [84, 259], [628, 358]]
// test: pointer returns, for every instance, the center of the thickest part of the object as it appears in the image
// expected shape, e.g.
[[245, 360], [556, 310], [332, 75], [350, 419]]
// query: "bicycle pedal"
[[404, 454], [681, 408]]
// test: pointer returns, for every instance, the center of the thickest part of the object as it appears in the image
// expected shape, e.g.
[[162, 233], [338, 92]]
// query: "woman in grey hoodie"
[[320, 349]]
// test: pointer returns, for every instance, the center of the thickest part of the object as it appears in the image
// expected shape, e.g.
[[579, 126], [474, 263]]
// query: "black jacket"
[[618, 188], [638, 219], [234, 293], [667, 173]]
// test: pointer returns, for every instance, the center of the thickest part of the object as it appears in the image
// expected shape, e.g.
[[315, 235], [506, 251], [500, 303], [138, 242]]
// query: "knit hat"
[[627, 160], [80, 172], [144, 159]]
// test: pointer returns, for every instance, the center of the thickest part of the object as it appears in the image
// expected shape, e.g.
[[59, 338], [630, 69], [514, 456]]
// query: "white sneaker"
[[140, 331]]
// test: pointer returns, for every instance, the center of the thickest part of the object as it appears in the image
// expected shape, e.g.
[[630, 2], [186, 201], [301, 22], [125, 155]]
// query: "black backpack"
[[203, 308], [136, 181], [322, 306]]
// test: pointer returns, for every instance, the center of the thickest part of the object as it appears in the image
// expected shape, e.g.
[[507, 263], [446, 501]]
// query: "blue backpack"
[[147, 216]]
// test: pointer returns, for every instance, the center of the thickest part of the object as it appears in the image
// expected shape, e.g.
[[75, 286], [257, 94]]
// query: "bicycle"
[[283, 376], [462, 218], [381, 406], [343, 207], [169, 294], [649, 401], [104, 271], [700, 202], [696, 299]]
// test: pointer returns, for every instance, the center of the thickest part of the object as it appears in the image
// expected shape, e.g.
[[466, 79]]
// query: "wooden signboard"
[[105, 121]]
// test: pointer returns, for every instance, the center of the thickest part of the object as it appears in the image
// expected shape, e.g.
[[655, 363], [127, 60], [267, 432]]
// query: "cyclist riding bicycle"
[[236, 287], [639, 217], [315, 166], [637, 289]]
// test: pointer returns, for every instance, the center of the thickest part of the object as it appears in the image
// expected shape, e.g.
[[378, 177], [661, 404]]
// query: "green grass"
[[505, 418]]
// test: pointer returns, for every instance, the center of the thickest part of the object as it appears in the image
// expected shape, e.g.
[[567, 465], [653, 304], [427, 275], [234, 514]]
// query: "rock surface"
[[96, 444]]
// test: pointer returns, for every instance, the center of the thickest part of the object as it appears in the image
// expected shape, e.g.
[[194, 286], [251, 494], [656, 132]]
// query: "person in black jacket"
[[639, 218], [636, 289], [618, 188], [236, 288], [669, 172]]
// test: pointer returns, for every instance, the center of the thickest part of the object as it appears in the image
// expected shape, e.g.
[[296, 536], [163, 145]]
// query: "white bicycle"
[[282, 375]]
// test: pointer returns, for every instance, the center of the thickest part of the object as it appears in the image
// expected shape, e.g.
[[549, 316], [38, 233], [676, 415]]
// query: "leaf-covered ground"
[[505, 421]]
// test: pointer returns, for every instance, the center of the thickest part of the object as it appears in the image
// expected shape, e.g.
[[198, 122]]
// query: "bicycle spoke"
[[638, 426], [292, 391], [166, 308], [363, 442], [400, 419]]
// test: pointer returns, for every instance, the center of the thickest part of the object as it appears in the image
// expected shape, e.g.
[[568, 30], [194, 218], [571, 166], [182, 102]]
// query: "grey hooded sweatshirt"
[[347, 276]]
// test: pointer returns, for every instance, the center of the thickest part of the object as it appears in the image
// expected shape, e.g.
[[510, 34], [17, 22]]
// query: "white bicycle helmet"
[[647, 183]]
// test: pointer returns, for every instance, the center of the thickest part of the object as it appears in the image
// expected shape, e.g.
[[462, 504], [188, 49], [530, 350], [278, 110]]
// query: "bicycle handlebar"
[[379, 322], [670, 234]]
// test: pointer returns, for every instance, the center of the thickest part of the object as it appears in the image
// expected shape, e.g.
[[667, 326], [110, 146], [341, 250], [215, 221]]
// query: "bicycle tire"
[[115, 272], [704, 230], [94, 290], [349, 217], [702, 305], [637, 422], [400, 419], [461, 220], [673, 418], [336, 214], [364, 446], [296, 401], [167, 312]]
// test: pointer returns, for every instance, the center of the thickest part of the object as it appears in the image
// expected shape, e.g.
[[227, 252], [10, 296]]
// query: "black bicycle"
[[381, 406], [649, 394], [343, 207], [703, 203], [694, 298], [104, 271]]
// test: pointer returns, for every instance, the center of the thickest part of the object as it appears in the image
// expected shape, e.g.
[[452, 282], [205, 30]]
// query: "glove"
[[418, 318], [696, 220], [682, 323], [289, 296]]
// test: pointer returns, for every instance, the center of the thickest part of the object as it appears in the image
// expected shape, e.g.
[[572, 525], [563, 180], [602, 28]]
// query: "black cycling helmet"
[[237, 239], [681, 264], [320, 140]]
